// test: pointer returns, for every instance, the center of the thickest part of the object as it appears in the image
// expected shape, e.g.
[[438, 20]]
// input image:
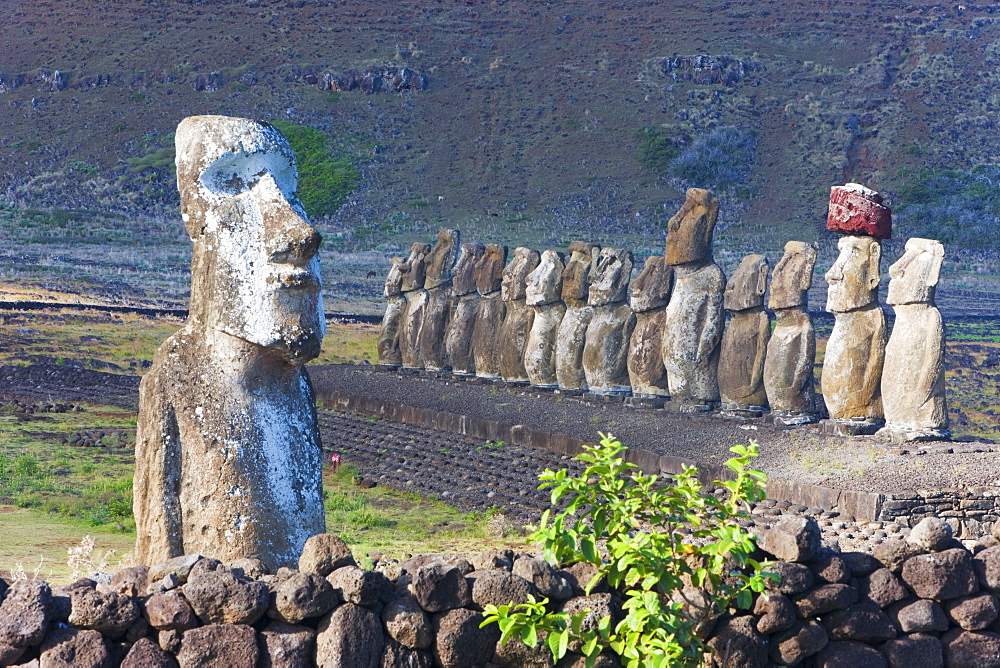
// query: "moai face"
[[747, 285], [515, 275], [394, 281], [465, 269], [415, 268], [854, 277], [544, 284], [441, 259], [792, 276], [576, 276], [611, 277], [689, 232], [489, 269], [914, 276], [651, 288], [255, 274]]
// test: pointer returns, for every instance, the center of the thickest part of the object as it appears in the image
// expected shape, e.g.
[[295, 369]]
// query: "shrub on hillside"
[[959, 207], [718, 160], [656, 148], [325, 176]]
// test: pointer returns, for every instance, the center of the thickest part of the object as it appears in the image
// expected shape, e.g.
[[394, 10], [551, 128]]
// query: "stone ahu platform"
[[859, 476]]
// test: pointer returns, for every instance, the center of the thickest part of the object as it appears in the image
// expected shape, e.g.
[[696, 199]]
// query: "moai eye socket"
[[232, 174]]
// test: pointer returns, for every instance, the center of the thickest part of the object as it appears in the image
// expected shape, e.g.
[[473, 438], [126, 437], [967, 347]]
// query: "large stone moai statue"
[[852, 367], [650, 292], [695, 317], [437, 283], [485, 342], [744, 343], [913, 392], [513, 333], [388, 337], [464, 309], [414, 273], [605, 351], [228, 453], [543, 294], [573, 328], [791, 352]]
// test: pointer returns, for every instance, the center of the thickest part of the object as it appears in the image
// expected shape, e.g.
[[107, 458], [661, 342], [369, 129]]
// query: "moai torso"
[[228, 452], [388, 338], [695, 317], [605, 351], [650, 292], [485, 342], [518, 316], [543, 294], [437, 283], [414, 274], [791, 352], [913, 392], [744, 343], [572, 334], [464, 309]]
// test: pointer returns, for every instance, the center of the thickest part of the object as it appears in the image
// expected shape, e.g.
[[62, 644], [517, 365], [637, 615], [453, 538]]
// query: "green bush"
[[656, 150], [649, 540], [326, 177]]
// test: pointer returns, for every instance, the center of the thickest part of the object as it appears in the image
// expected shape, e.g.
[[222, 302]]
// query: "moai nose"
[[289, 238]]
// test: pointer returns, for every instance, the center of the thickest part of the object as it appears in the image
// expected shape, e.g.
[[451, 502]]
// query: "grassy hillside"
[[515, 121]]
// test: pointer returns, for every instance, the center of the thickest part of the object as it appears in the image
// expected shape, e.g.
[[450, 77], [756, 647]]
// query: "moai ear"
[[874, 260], [762, 279], [937, 255]]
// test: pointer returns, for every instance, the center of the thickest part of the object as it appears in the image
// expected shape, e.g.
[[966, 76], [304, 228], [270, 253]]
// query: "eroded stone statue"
[[518, 316], [913, 393], [388, 337], [744, 343], [464, 309], [414, 273], [573, 328], [434, 317], [485, 342], [650, 292], [543, 294], [695, 317], [605, 351], [791, 352], [228, 453]]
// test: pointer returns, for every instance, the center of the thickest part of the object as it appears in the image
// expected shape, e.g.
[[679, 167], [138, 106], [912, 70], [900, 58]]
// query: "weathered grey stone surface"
[[73, 648], [852, 368], [219, 646], [650, 292], [543, 294], [437, 283], [414, 275], [605, 350], [485, 342], [744, 343], [913, 393], [350, 636], [791, 351], [464, 309], [388, 337], [695, 317], [573, 328], [228, 453], [518, 316], [284, 645]]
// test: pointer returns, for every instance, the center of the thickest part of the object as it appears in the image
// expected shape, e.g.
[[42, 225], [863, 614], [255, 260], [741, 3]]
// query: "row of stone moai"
[[576, 324]]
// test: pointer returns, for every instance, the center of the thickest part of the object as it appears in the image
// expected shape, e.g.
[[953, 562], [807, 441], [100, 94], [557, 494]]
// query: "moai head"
[[747, 285], [914, 277], [489, 269], [609, 284], [441, 259], [576, 276], [792, 276], [415, 268], [854, 277], [544, 284], [689, 232], [516, 273], [254, 270], [394, 281], [465, 269], [651, 288]]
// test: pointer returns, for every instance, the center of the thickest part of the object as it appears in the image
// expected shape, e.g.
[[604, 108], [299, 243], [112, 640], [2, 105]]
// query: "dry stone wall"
[[922, 601]]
